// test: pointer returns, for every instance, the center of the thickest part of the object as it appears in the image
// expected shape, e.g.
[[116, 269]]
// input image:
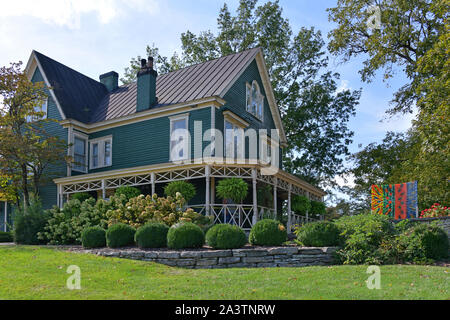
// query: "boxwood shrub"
[[185, 235], [152, 235], [120, 235], [6, 236], [226, 236], [93, 237], [319, 234], [268, 232]]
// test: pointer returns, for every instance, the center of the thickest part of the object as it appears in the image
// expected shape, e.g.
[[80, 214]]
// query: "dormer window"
[[254, 100]]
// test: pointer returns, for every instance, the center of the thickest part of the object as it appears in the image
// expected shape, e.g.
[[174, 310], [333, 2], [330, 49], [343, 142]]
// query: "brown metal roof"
[[192, 83]]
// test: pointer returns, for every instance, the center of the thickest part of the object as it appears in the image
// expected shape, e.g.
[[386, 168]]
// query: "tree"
[[315, 116], [408, 29], [27, 150]]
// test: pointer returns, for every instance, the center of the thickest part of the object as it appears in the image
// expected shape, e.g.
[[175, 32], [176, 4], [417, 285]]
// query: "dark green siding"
[[147, 142], [48, 192]]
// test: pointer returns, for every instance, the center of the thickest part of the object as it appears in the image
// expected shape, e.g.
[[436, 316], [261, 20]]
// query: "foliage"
[[142, 209], [120, 235], [6, 236], [436, 210], [300, 204], [186, 189], [265, 196], [314, 114], [93, 237], [152, 235], [226, 236], [318, 207], [28, 222], [65, 225], [267, 232], [81, 196], [129, 192], [403, 39], [235, 189], [27, 150], [185, 235], [319, 234], [361, 237]]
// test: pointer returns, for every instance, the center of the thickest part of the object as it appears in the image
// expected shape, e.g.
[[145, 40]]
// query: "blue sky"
[[97, 36]]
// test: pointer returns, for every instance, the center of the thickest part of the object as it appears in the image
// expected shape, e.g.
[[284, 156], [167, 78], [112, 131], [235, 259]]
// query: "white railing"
[[297, 219]]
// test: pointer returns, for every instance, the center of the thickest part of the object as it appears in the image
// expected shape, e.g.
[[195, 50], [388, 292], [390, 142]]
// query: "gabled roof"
[[199, 81], [86, 100], [78, 95]]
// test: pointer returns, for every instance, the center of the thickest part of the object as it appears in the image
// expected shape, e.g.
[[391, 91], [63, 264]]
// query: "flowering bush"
[[436, 210], [142, 209]]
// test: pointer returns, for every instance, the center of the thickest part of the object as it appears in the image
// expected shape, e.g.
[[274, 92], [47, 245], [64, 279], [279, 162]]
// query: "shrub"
[[29, 222], [120, 235], [186, 189], [6, 237], [140, 210], [129, 192], [66, 225], [82, 196], [93, 237], [300, 204], [152, 235], [319, 234], [226, 236], [422, 243], [361, 237], [232, 188], [318, 207], [268, 232], [435, 211], [185, 235]]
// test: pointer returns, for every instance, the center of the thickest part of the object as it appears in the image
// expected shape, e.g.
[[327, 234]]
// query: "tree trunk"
[[26, 195]]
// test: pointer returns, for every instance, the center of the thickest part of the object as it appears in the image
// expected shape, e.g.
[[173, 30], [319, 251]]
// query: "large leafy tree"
[[315, 116], [27, 150]]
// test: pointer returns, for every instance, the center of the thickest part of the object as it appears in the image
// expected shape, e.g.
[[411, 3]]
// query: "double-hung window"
[[179, 138], [42, 108], [79, 148], [254, 100], [234, 141], [101, 152]]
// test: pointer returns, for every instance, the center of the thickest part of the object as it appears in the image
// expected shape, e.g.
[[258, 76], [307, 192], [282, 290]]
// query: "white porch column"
[[207, 197], [255, 199], [275, 204], [6, 215], [60, 196], [152, 180], [103, 189], [289, 223]]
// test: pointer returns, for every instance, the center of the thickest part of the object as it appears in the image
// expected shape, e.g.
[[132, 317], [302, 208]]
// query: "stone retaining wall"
[[236, 258], [444, 222]]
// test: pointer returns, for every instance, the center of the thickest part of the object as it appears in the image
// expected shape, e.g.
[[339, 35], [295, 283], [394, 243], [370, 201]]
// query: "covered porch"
[[205, 176]]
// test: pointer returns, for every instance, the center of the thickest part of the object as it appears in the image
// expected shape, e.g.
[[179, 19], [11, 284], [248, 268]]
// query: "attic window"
[[254, 100]]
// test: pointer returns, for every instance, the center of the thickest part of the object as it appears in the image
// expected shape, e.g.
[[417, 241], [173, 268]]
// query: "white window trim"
[[185, 117], [248, 91], [101, 152], [86, 139], [239, 126]]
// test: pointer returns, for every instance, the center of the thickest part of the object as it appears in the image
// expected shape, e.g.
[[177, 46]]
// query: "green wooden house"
[[203, 123]]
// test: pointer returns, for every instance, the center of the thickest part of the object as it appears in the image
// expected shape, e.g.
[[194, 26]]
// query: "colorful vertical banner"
[[398, 201]]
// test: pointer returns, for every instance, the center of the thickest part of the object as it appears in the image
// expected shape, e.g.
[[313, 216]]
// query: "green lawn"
[[28, 272]]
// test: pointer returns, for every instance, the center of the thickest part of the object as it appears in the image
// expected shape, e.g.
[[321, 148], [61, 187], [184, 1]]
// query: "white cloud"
[[346, 180], [68, 13], [343, 86]]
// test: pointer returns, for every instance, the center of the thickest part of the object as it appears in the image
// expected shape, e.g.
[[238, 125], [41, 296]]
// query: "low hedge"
[[120, 235], [226, 236], [268, 232], [319, 234], [152, 235], [185, 235], [6, 236], [93, 237]]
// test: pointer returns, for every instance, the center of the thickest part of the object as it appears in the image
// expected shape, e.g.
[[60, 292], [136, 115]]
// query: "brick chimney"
[[146, 86]]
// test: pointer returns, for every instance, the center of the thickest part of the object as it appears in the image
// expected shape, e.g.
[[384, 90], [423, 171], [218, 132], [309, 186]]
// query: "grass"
[[31, 272]]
